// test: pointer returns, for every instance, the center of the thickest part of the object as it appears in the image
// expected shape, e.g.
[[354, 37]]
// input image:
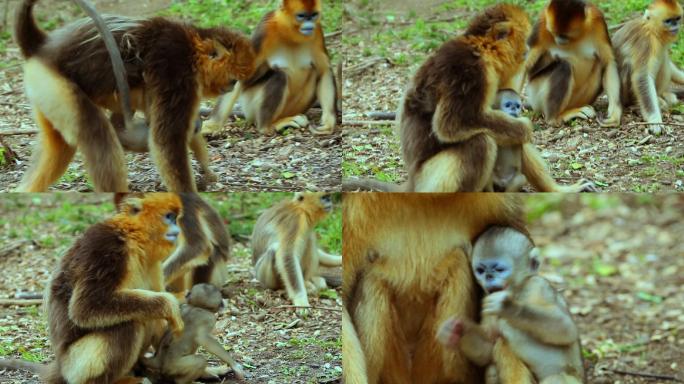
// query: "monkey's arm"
[[611, 81], [223, 108], [193, 250], [644, 88], [212, 345], [538, 312], [93, 311], [506, 130], [474, 340], [326, 93]]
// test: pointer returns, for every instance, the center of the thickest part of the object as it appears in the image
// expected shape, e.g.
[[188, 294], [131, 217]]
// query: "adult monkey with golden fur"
[[285, 251], [571, 62], [405, 272], [203, 247], [69, 79], [646, 70], [294, 71], [449, 131], [106, 301]]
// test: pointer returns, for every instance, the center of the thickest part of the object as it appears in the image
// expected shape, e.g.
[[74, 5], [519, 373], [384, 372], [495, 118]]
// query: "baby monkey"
[[507, 176], [176, 359], [526, 327]]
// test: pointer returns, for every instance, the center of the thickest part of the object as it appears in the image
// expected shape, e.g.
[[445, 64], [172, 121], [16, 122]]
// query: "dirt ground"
[[616, 159], [243, 159], [267, 338]]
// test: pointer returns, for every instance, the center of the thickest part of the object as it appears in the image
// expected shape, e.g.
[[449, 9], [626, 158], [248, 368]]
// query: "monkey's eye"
[[499, 269], [301, 16], [314, 15], [480, 270], [170, 217], [509, 105]]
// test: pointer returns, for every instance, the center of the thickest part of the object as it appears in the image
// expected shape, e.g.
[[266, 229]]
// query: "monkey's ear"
[[130, 203], [299, 196], [502, 30], [534, 259], [218, 51]]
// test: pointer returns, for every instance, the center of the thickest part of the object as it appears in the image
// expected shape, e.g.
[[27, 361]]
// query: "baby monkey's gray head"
[[503, 256], [205, 296]]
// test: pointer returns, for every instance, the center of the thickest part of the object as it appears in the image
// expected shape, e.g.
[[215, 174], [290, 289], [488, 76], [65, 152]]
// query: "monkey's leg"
[[611, 84], [510, 368], [550, 92], [644, 89], [199, 147], [186, 369], [274, 95], [433, 362], [353, 359], [213, 346], [223, 108], [383, 341], [265, 270], [535, 170], [102, 151], [677, 74], [104, 356], [517, 184], [51, 158], [288, 265], [325, 92], [463, 167]]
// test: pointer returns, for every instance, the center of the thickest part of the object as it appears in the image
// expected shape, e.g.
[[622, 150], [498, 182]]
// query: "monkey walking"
[[294, 71], [284, 249], [106, 302], [537, 334], [169, 67], [642, 48], [176, 359]]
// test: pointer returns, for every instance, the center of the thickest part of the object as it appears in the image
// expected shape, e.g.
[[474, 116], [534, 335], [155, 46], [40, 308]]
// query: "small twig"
[[669, 124], [367, 122], [648, 375], [359, 68], [309, 307], [332, 34], [19, 302], [19, 132]]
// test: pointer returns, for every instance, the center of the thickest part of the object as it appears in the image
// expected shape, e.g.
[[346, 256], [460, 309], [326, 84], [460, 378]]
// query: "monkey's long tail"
[[29, 37], [355, 184], [23, 365]]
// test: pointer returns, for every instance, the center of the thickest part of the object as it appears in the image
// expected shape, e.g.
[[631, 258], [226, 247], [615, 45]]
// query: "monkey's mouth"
[[674, 31], [306, 31], [172, 237], [495, 289]]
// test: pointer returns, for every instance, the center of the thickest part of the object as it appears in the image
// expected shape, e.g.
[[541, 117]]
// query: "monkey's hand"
[[327, 126], [174, 318], [495, 303], [450, 332]]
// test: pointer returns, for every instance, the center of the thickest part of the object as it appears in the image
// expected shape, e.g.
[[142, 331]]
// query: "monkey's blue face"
[[326, 200], [492, 275], [512, 107], [172, 231], [307, 21], [672, 24]]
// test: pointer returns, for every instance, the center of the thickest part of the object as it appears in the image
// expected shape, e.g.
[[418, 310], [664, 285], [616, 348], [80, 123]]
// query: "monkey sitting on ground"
[[169, 66], [531, 318], [507, 176], [294, 71], [284, 249], [642, 50], [106, 302], [571, 63], [203, 247], [176, 359]]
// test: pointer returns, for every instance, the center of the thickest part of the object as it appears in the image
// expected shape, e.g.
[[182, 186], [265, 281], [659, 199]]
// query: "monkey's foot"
[[294, 122], [585, 113], [209, 176], [655, 129], [327, 126], [585, 185], [211, 126], [319, 283], [667, 100]]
